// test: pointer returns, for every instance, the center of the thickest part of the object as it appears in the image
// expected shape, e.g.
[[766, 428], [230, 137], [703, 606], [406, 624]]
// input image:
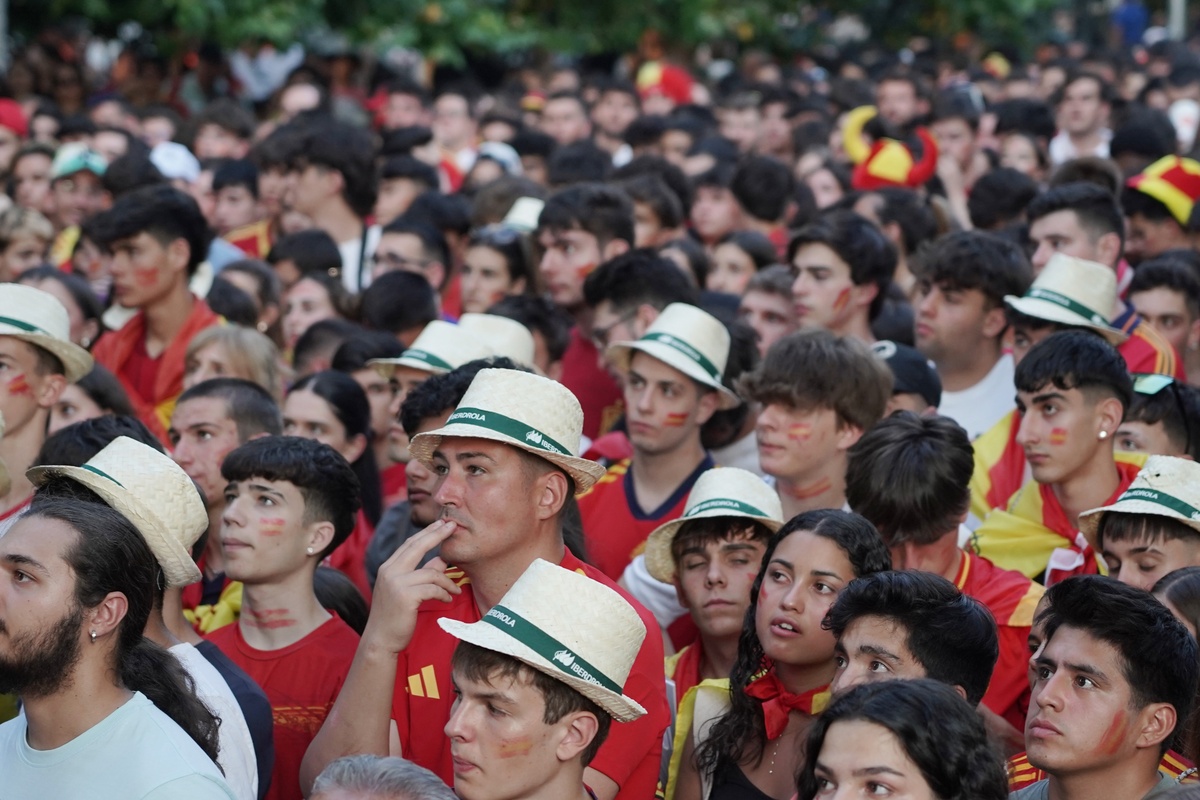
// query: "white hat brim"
[[659, 561], [76, 361], [1089, 521], [386, 367], [481, 634], [1040, 309], [621, 354], [585, 473], [176, 561]]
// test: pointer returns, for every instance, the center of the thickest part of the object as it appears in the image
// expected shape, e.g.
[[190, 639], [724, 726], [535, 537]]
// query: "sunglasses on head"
[[1151, 384]]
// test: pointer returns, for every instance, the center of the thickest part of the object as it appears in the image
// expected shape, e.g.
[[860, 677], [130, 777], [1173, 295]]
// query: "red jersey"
[[1012, 598], [350, 557], [301, 680], [1146, 351], [424, 694], [394, 484], [592, 386], [615, 527]]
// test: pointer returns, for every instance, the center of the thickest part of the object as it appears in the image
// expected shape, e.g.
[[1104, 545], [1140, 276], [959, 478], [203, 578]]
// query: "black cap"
[[912, 373]]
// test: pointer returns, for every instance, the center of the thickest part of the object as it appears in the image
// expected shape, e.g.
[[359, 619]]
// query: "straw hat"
[[719, 492], [1072, 291], [440, 348], [39, 318], [505, 336], [5, 480], [152, 492], [524, 410], [1165, 487], [688, 339], [572, 628]]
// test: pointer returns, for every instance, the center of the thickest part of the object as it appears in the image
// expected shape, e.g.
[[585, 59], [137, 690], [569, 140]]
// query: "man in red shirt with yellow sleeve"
[[508, 465]]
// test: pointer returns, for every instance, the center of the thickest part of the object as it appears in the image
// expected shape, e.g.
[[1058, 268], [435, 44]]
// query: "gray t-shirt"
[[1041, 790]]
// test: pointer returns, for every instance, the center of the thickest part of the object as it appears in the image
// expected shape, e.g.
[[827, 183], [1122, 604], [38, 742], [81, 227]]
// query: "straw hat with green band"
[[1165, 487], [688, 339], [521, 409], [40, 319], [152, 492], [506, 337], [441, 347], [568, 626], [719, 492], [1075, 292]]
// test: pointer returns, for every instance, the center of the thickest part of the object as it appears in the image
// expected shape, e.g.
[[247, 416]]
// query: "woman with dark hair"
[[916, 739], [497, 264], [736, 259], [785, 662], [83, 307], [312, 298], [333, 409], [110, 557], [94, 395]]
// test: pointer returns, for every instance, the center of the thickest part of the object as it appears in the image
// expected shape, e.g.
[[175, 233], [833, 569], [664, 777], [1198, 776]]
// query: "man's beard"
[[38, 664]]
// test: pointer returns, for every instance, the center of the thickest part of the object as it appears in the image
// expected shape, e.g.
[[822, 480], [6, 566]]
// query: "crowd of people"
[[826, 428]]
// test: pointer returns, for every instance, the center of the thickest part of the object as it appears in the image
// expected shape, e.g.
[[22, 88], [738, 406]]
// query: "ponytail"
[[151, 670]]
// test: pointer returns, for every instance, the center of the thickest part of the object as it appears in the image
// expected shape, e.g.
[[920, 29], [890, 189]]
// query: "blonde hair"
[[251, 355], [16, 222]]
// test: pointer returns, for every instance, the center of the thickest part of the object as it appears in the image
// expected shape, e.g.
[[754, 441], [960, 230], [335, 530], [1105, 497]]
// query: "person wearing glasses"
[[497, 265], [1158, 421], [412, 246]]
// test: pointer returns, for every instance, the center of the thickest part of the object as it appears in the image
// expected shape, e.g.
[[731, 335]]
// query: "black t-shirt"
[[255, 708]]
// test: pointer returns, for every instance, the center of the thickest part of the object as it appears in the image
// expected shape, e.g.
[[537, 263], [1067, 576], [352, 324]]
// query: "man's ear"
[[614, 248], [435, 273], [50, 389], [1157, 722], [708, 405], [179, 252], [994, 322], [106, 617], [848, 436], [1108, 249], [551, 493], [1109, 413], [579, 728], [320, 534]]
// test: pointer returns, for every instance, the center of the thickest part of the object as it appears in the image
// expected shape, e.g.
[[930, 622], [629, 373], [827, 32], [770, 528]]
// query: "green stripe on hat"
[[726, 504], [22, 325], [675, 343], [1038, 293], [426, 357], [509, 427], [562, 657], [1162, 499], [103, 474]]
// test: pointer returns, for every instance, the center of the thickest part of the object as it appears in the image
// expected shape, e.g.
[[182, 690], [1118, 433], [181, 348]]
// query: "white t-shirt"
[[981, 406], [353, 257], [135, 752], [236, 757]]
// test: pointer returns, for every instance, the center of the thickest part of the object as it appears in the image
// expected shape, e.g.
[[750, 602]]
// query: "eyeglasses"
[[1150, 385], [600, 335], [497, 234], [397, 261]]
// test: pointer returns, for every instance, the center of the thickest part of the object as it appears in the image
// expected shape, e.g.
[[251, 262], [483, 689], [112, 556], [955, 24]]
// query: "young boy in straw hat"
[[538, 682], [1154, 527], [508, 464], [289, 503], [711, 556], [163, 503], [672, 377], [37, 361]]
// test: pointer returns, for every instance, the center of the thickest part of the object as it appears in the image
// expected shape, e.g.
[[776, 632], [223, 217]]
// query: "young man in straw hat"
[[819, 393], [672, 377], [152, 492], [289, 503], [1072, 392], [37, 361], [538, 682], [158, 238], [711, 556], [908, 475], [507, 462], [1069, 294], [1154, 527]]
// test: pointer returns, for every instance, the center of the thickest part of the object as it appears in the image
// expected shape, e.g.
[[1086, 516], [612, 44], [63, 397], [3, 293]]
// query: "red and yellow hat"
[[1172, 181], [887, 162]]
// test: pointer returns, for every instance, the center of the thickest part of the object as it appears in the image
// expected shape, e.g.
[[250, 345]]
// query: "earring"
[[93, 635], [310, 551], [1103, 435], [86, 342]]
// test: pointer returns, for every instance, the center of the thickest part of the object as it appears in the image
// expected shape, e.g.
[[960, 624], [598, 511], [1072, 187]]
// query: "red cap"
[[12, 117]]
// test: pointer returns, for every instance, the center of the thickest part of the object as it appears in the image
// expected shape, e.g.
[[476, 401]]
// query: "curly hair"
[[739, 733], [938, 730]]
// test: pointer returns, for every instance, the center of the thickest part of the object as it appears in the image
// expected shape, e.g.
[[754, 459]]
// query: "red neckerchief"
[[778, 702]]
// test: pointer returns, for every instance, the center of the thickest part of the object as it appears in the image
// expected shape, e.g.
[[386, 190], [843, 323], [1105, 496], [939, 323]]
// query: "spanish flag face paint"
[[1058, 436], [18, 386]]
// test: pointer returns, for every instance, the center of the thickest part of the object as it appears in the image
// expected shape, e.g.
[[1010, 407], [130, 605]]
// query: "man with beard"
[[108, 714]]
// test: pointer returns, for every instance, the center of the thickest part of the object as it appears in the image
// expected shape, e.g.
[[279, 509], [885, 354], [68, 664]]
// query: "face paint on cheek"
[[675, 420], [1110, 744], [1058, 436], [842, 300], [799, 432], [145, 277], [516, 748], [18, 385], [584, 270], [272, 526]]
